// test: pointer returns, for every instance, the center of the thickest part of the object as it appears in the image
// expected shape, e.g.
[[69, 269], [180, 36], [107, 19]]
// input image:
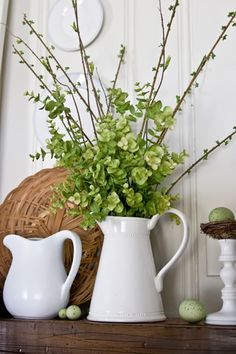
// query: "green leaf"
[[167, 63]]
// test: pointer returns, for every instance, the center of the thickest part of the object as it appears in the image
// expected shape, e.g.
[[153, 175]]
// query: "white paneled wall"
[[3, 19], [208, 115], [214, 118]]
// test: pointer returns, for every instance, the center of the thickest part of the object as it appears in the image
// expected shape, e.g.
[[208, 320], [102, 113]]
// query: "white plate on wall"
[[62, 16], [40, 118]]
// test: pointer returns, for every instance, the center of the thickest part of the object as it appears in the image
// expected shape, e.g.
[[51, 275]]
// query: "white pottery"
[[37, 285], [61, 18], [127, 288], [227, 314]]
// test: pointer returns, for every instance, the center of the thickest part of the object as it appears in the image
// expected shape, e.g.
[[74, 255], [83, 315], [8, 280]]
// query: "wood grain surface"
[[59, 336]]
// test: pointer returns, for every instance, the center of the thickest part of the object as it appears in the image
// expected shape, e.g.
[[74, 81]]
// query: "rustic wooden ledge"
[[57, 336]]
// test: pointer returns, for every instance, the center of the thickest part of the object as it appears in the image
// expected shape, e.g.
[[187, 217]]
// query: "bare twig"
[[20, 54], [49, 69], [203, 62], [203, 157], [173, 13], [164, 53], [103, 88], [68, 116], [121, 56], [85, 62], [59, 65], [39, 77]]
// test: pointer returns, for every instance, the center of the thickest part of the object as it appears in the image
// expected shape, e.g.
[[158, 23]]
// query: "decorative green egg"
[[62, 313], [73, 312], [192, 311], [221, 214]]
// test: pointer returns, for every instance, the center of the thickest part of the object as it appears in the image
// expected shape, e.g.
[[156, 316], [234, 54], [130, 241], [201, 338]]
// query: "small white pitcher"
[[37, 285], [127, 288]]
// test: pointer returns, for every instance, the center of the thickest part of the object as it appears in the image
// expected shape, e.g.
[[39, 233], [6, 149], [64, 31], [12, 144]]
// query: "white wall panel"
[[214, 118], [16, 113], [3, 20]]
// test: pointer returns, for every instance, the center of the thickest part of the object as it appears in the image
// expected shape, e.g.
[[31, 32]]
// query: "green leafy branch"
[[118, 172], [46, 64], [88, 67], [29, 23], [73, 87]]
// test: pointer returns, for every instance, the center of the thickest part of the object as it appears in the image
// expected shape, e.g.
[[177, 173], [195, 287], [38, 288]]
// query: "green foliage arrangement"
[[118, 171]]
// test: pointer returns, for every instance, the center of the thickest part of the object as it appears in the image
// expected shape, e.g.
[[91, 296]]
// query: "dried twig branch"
[[203, 157], [200, 67], [159, 64]]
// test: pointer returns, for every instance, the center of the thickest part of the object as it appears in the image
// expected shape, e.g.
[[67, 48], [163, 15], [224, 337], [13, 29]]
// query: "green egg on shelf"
[[62, 314], [73, 312], [221, 214], [192, 311]]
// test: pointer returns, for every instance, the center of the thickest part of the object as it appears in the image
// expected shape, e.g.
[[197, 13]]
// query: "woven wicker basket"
[[25, 212]]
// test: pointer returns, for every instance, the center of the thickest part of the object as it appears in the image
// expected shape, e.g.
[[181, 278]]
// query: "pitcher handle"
[[77, 253], [160, 276]]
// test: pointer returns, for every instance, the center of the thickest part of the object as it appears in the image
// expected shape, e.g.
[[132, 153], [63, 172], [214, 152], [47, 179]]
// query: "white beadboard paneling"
[[214, 118], [187, 186], [3, 19], [16, 130]]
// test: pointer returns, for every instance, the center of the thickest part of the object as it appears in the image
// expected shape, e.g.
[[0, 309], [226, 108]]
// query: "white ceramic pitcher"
[[37, 285], [127, 288]]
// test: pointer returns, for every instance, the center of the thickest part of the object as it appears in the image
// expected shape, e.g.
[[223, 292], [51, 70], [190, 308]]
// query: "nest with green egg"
[[221, 225]]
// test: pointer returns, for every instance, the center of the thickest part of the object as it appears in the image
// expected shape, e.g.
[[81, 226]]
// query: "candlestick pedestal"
[[227, 314]]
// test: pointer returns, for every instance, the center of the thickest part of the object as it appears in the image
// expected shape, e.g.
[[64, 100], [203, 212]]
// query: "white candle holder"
[[227, 314]]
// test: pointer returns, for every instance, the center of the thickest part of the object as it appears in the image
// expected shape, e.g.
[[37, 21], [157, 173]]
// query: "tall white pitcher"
[[127, 288]]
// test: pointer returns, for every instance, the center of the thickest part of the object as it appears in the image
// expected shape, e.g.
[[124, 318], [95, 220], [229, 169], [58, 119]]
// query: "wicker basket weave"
[[25, 212]]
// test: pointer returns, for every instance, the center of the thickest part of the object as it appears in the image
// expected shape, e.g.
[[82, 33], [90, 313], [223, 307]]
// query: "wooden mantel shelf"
[[57, 336]]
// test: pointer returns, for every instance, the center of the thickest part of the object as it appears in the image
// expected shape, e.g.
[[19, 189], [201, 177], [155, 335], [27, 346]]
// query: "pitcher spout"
[[10, 241]]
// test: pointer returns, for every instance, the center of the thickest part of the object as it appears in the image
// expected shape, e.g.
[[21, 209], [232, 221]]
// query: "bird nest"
[[25, 211], [220, 229]]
